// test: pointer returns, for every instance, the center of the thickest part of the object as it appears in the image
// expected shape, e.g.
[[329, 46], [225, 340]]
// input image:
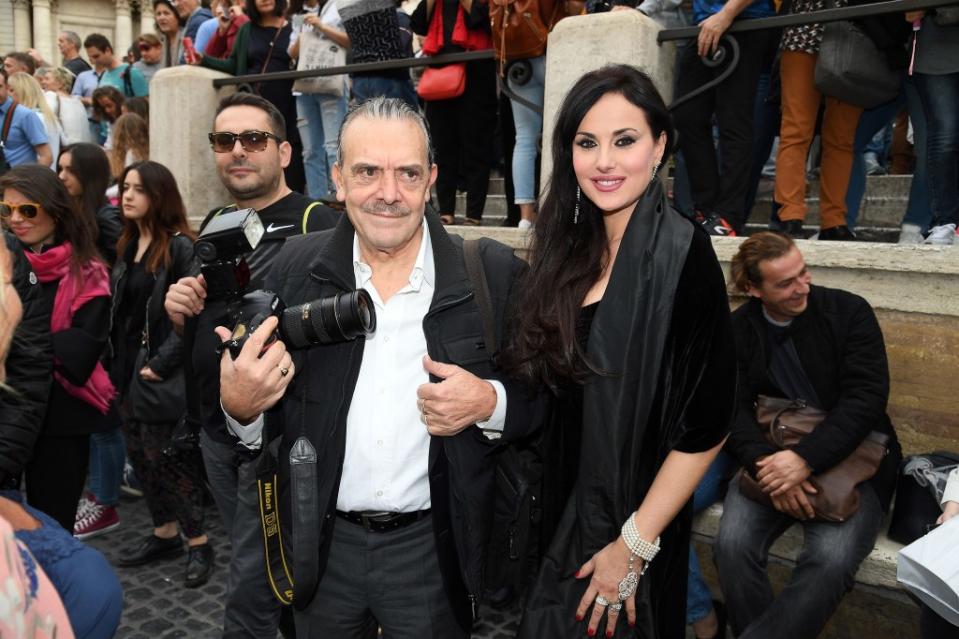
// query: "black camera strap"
[[477, 275], [267, 483]]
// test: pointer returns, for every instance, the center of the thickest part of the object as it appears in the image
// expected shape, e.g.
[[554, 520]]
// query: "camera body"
[[221, 249]]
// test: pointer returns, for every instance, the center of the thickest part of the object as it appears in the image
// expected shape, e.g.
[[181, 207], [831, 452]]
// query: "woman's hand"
[[606, 569], [950, 510], [313, 21], [912, 16], [147, 374]]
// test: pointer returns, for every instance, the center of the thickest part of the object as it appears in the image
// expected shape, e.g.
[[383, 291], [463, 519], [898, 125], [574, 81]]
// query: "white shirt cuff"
[[251, 435], [497, 421], [951, 493]]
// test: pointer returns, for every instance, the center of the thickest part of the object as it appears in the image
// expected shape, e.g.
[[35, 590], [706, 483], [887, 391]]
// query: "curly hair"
[[131, 135]]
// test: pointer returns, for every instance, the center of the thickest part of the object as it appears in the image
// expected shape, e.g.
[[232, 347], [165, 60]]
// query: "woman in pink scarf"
[[60, 243]]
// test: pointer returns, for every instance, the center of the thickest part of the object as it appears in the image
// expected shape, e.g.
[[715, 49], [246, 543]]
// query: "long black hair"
[[567, 258], [91, 166]]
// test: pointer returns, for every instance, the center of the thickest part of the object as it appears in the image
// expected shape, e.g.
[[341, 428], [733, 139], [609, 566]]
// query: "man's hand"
[[250, 384], [459, 400], [185, 299], [950, 510], [794, 502], [147, 373], [711, 30], [33, 53], [781, 472]]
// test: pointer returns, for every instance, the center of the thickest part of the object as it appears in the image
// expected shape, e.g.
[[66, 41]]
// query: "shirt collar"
[[6, 105], [424, 269]]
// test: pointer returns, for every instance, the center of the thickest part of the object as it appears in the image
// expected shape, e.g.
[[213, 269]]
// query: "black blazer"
[[318, 400], [841, 348]]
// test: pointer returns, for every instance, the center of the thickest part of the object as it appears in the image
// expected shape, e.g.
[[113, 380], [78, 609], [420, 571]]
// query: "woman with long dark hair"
[[84, 169], [75, 287], [155, 250], [625, 319]]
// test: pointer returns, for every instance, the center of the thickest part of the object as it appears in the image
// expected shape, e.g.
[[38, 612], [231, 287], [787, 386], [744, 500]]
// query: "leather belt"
[[378, 522]]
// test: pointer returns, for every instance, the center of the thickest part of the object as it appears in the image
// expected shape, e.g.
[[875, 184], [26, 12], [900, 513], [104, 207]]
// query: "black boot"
[[151, 549], [199, 565], [793, 228], [837, 233]]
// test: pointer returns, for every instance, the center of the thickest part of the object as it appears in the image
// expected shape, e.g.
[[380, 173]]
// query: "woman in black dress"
[[626, 320]]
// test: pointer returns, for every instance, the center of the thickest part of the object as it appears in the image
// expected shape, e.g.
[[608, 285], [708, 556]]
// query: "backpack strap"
[[127, 81], [477, 275], [306, 215], [8, 121]]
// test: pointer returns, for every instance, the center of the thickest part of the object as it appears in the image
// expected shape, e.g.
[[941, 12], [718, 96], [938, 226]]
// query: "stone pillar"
[[584, 43], [43, 36], [182, 104], [147, 23], [22, 36], [123, 34]]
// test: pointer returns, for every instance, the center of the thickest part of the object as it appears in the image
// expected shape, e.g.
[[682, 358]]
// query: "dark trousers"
[[56, 474], [463, 130], [172, 484], [390, 580], [824, 573], [721, 189], [939, 95], [251, 608]]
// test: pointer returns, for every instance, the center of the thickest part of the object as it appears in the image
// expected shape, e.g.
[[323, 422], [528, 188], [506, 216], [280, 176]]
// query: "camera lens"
[[329, 320]]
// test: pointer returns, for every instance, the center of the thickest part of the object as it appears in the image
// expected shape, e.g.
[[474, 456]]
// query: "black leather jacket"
[[316, 404], [29, 366]]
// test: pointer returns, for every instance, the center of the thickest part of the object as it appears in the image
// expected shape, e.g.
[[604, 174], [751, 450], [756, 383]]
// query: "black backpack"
[[7, 122]]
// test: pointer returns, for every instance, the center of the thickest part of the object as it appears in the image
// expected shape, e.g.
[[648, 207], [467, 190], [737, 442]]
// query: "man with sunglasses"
[[250, 151]]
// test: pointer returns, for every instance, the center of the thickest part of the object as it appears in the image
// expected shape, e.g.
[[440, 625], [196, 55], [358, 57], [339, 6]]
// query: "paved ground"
[[157, 606]]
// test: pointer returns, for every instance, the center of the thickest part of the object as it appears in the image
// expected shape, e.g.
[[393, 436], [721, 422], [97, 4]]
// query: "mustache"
[[241, 164], [380, 207]]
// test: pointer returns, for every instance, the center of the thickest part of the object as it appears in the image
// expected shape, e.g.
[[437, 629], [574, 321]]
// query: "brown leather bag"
[[784, 423], [520, 27]]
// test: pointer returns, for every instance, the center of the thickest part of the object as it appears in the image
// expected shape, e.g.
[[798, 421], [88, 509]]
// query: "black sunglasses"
[[251, 141], [28, 210]]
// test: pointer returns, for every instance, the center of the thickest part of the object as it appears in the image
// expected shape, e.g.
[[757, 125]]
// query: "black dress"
[[662, 335]]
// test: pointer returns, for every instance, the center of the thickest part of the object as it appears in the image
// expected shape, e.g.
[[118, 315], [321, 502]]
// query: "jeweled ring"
[[602, 601], [284, 372], [616, 606]]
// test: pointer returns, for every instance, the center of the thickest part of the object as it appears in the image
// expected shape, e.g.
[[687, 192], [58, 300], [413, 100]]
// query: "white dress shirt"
[[951, 492], [387, 445]]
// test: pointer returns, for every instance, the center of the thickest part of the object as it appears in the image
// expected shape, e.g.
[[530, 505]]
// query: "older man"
[[395, 532], [823, 346]]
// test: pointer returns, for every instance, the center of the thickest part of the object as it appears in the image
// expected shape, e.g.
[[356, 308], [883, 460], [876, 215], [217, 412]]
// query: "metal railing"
[[665, 35]]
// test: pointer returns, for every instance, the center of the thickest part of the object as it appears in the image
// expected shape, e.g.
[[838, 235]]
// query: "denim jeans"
[[918, 210], [824, 573], [371, 86], [319, 117], [529, 126], [699, 599], [107, 456], [939, 95]]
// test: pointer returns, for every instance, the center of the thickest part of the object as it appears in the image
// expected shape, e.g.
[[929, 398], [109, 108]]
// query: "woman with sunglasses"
[[75, 287], [156, 250]]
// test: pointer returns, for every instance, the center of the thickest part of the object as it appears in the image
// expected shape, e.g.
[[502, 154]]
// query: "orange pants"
[[800, 106]]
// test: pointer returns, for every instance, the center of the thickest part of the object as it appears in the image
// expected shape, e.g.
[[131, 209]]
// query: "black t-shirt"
[[785, 368], [77, 65], [285, 218]]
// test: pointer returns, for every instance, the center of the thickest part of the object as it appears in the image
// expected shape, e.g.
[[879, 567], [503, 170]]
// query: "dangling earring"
[[655, 168], [576, 211]]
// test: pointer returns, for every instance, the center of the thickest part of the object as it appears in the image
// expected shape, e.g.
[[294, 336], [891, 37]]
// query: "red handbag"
[[442, 83]]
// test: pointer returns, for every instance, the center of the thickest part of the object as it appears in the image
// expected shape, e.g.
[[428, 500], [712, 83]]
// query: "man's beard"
[[261, 187]]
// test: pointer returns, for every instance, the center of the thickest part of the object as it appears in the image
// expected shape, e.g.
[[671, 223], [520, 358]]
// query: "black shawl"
[[632, 418]]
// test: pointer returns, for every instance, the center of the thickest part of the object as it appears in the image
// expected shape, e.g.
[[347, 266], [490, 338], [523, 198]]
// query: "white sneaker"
[[525, 224], [910, 234], [942, 235]]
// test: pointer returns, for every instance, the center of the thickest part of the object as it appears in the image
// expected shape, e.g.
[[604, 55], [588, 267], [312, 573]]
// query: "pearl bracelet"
[[636, 544]]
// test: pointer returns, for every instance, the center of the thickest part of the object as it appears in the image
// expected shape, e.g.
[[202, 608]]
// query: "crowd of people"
[[636, 419]]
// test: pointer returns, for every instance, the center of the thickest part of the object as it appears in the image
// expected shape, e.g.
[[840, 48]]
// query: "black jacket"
[[318, 400], [841, 348], [166, 349], [29, 365], [109, 228]]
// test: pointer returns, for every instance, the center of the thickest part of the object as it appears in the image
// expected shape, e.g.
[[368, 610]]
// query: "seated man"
[[824, 346]]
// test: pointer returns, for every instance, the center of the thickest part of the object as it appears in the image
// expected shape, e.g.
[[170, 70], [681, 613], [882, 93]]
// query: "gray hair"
[[74, 38], [383, 108]]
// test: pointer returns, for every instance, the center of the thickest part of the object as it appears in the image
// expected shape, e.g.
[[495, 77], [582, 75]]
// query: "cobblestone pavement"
[[157, 606]]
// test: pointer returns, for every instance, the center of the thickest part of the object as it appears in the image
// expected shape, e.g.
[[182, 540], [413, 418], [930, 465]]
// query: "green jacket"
[[237, 63]]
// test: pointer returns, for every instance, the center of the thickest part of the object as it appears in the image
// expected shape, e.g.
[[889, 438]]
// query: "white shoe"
[[910, 234], [525, 224], [942, 235]]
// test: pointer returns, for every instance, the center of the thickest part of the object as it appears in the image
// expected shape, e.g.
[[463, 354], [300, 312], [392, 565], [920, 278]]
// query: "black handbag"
[[851, 68], [919, 489], [155, 402]]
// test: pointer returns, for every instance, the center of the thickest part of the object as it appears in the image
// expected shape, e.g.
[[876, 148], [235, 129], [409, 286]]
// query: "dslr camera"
[[222, 248]]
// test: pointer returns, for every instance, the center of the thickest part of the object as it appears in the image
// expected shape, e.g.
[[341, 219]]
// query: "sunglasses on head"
[[28, 210], [251, 141]]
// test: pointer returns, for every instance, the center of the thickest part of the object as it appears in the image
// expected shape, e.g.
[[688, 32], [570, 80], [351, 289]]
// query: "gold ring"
[[284, 372]]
